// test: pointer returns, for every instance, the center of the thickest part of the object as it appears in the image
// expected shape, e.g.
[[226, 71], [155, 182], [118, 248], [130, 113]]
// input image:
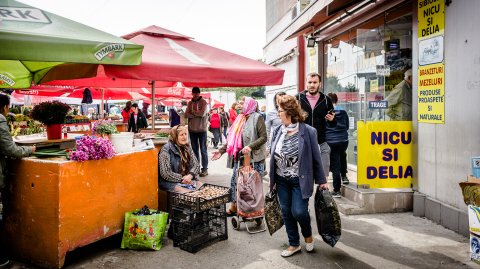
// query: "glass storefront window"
[[365, 64]]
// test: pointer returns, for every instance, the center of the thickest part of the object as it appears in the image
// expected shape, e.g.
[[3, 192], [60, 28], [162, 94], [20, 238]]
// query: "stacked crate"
[[197, 222]]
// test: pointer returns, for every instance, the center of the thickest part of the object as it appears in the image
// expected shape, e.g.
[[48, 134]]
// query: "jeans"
[[224, 128], [325, 154], [336, 155], [216, 136], [258, 166], [200, 140], [294, 209]]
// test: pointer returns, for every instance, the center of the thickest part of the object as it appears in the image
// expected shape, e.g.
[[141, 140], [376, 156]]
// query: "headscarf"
[[182, 149], [234, 138]]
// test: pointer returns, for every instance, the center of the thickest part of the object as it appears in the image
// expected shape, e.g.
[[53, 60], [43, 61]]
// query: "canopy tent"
[[35, 41], [173, 57]]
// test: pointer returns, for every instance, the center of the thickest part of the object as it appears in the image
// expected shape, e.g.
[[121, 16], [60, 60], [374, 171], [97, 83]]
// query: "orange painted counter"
[[52, 207]]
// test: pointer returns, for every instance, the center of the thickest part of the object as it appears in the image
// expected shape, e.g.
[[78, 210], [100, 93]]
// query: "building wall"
[[445, 151]]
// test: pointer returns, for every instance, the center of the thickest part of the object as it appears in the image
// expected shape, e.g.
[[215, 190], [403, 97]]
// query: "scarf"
[[234, 138], [182, 149], [284, 129]]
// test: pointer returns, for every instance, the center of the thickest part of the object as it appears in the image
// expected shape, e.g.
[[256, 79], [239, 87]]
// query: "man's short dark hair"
[[315, 74], [195, 90], [134, 105]]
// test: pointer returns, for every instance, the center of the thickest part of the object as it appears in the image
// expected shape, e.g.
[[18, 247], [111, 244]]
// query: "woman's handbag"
[[273, 212]]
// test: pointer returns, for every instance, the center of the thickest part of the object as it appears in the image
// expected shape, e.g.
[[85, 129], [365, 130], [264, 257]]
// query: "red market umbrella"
[[217, 104], [97, 94], [170, 56]]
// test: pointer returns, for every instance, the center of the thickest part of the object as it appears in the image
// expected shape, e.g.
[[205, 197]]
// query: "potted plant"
[[52, 114], [104, 128]]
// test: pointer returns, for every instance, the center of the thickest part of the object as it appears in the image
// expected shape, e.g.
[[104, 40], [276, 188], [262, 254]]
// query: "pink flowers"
[[92, 148]]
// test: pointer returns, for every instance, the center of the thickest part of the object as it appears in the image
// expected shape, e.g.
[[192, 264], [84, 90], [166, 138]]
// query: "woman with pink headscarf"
[[248, 135]]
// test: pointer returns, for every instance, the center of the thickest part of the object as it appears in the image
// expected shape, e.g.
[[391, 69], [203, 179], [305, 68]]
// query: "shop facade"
[[363, 50]]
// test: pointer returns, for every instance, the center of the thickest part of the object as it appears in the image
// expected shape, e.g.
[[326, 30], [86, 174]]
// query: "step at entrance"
[[355, 201]]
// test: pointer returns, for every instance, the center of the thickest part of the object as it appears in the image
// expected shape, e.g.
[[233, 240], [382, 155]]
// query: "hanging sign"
[[431, 70]]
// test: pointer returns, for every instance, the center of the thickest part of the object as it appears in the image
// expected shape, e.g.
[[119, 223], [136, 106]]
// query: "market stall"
[[53, 206]]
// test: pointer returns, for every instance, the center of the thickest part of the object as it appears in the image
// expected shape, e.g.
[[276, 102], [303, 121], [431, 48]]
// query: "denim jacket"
[[310, 170]]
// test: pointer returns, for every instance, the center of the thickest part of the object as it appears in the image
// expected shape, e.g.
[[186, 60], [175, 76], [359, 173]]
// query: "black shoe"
[[4, 262], [336, 194], [345, 180], [204, 173]]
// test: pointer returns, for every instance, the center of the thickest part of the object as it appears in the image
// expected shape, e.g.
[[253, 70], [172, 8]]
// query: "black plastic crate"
[[193, 231], [198, 204]]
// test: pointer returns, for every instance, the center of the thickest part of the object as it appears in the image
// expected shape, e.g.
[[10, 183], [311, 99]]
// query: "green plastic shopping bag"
[[144, 229]]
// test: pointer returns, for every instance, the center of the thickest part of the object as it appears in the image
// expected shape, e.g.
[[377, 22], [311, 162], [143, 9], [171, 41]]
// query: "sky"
[[236, 26]]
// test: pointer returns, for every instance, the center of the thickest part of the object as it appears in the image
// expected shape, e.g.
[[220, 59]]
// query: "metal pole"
[[102, 105], [154, 107]]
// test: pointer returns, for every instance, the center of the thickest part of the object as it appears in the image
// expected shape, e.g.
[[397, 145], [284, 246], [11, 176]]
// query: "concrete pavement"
[[397, 240]]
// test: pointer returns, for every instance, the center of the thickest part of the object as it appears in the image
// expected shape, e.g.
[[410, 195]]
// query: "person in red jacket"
[[215, 127], [232, 113]]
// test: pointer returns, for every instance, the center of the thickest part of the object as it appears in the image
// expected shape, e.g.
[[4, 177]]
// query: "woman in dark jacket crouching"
[[295, 166], [178, 168]]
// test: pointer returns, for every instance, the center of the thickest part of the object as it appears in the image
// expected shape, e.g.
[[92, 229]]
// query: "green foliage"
[[53, 112], [240, 91]]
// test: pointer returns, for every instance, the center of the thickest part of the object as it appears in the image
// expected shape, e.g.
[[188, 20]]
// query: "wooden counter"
[[54, 206]]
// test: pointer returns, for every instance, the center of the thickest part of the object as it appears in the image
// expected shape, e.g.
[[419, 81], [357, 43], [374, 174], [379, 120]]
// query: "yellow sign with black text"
[[385, 154], [431, 63], [431, 18]]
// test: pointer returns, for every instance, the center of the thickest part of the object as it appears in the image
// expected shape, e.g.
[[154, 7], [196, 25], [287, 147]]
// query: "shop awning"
[[331, 11]]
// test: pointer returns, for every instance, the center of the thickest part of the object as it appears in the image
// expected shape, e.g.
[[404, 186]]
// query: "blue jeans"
[[200, 139], [258, 166], [294, 209], [224, 128]]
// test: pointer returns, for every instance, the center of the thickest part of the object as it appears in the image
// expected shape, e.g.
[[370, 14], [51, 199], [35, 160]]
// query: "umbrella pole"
[[154, 107], [101, 107]]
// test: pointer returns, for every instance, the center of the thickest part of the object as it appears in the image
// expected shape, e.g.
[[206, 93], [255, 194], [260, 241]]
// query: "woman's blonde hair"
[[292, 108]]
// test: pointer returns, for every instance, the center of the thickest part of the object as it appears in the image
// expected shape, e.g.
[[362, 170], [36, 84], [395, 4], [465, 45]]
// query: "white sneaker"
[[310, 246], [287, 253]]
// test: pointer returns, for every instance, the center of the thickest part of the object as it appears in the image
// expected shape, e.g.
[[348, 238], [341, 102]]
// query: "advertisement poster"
[[431, 93], [385, 154], [431, 70]]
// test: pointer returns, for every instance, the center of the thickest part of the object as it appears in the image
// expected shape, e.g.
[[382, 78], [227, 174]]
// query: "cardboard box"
[[473, 179], [474, 219], [475, 248]]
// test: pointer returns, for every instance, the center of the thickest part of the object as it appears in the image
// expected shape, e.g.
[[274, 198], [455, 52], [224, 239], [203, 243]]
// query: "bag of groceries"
[[144, 229]]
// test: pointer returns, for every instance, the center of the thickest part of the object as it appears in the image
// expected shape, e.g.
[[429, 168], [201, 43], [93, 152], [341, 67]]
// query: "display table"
[[55, 206]]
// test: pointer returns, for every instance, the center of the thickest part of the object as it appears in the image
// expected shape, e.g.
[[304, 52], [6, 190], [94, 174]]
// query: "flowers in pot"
[[52, 114], [104, 127]]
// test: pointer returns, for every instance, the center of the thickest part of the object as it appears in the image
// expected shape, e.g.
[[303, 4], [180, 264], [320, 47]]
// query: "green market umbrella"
[[34, 41]]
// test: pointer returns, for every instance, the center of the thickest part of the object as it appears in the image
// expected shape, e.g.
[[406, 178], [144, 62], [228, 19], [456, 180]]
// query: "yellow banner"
[[431, 18], [374, 85], [385, 154], [431, 93]]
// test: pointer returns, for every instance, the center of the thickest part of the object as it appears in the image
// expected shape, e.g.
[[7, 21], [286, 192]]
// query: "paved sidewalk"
[[368, 241]]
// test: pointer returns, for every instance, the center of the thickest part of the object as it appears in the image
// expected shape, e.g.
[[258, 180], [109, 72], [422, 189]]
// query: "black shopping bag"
[[328, 219]]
